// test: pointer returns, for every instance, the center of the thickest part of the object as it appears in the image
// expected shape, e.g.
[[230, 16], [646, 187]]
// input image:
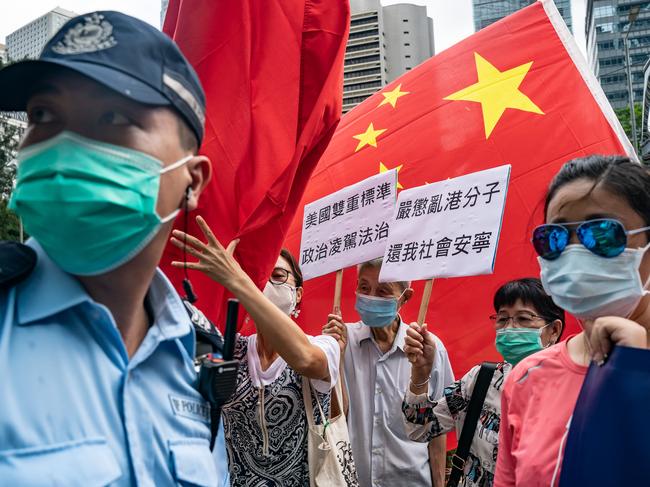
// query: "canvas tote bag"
[[328, 445]]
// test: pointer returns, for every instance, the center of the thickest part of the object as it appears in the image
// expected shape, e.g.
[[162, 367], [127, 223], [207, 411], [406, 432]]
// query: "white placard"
[[447, 229], [348, 227]]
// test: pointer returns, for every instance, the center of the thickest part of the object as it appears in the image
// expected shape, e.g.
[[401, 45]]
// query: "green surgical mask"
[[515, 344], [90, 205]]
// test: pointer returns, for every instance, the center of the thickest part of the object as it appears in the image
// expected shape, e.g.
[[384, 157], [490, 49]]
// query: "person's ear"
[[556, 331], [299, 291], [200, 170], [406, 295]]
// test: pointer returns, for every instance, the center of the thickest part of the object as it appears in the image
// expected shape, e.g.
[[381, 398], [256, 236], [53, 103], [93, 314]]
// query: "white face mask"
[[282, 295], [589, 286]]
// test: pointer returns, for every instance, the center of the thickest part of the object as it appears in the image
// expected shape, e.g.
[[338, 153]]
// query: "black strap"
[[17, 261], [474, 408]]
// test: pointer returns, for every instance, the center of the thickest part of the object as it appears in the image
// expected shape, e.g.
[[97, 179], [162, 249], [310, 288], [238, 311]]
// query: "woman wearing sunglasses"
[[526, 321], [265, 423], [594, 264]]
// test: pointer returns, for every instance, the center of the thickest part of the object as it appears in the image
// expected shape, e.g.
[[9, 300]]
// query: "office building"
[[163, 11], [3, 54], [384, 43], [29, 40], [612, 27], [590, 39], [487, 12]]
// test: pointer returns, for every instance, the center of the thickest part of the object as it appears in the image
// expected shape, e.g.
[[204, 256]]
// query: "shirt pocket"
[[85, 463], [193, 463]]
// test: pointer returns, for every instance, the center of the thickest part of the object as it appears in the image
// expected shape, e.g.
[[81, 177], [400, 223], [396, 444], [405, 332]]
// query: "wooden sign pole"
[[424, 305], [337, 292]]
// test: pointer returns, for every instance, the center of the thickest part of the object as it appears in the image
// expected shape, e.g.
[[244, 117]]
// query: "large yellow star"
[[369, 137], [392, 96], [383, 169], [495, 91]]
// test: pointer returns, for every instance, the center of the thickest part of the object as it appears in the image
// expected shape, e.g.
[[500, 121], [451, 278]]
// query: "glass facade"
[[612, 23], [487, 12]]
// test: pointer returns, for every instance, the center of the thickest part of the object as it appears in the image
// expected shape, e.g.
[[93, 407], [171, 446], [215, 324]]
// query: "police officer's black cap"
[[122, 53]]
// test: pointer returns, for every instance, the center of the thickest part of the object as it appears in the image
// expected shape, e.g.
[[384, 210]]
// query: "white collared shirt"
[[376, 382]]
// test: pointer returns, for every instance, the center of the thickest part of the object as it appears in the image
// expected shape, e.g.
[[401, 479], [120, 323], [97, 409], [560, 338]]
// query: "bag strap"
[[338, 390], [481, 385], [307, 396]]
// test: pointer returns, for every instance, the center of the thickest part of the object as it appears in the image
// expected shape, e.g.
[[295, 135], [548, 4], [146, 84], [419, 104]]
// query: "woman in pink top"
[[594, 264]]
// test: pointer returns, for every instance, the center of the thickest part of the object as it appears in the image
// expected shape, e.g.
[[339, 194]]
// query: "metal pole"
[[22, 235], [631, 96]]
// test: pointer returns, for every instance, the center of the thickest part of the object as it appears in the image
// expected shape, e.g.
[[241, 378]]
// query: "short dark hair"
[[531, 292], [188, 139], [617, 174], [295, 267]]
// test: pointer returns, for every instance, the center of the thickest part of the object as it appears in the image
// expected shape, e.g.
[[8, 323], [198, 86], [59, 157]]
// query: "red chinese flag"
[[272, 71], [517, 92]]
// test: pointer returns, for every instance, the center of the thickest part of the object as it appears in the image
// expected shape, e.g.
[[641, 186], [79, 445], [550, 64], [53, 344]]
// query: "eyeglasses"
[[522, 320], [279, 276], [604, 237]]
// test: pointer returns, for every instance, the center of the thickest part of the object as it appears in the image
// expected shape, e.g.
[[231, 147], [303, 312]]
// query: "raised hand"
[[215, 261]]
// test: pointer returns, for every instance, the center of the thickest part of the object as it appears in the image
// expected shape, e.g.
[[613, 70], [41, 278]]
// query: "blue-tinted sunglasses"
[[604, 237]]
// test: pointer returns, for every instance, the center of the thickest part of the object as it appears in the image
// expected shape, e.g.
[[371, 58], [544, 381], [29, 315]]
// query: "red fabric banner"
[[517, 92], [272, 71]]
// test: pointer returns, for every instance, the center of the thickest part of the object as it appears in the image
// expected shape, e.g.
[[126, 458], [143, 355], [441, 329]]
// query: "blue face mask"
[[376, 312]]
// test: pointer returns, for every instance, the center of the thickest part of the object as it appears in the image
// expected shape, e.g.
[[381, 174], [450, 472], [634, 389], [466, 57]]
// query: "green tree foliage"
[[623, 115], [9, 137]]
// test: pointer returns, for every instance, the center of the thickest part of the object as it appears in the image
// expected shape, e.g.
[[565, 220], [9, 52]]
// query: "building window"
[[612, 61], [408, 68], [362, 47], [606, 27], [365, 20], [364, 33], [604, 11], [407, 56], [602, 46], [362, 86], [405, 20], [407, 44], [362, 59], [354, 99], [362, 72], [406, 32]]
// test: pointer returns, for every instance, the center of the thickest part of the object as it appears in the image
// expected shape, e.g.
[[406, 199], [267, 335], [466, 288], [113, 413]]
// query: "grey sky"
[[452, 18]]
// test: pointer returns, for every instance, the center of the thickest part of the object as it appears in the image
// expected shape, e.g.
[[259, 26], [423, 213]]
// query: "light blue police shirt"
[[76, 411]]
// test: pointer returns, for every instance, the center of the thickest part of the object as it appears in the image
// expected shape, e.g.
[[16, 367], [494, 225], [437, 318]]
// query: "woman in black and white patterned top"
[[265, 423]]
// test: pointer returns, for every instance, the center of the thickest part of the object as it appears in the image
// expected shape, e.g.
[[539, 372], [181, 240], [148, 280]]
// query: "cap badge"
[[93, 34]]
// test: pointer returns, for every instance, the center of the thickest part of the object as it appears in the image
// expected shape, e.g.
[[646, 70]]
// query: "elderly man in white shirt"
[[377, 374]]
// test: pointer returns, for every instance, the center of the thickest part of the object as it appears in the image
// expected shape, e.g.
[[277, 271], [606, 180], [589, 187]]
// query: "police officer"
[[98, 384]]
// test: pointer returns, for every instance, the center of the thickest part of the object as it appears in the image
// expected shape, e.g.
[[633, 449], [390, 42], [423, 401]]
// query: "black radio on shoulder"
[[218, 374]]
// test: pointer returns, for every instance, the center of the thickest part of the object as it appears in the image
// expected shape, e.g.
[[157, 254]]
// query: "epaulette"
[[208, 337], [17, 261]]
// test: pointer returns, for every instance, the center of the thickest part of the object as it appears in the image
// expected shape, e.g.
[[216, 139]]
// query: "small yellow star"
[[383, 169], [369, 137], [496, 91], [392, 96]]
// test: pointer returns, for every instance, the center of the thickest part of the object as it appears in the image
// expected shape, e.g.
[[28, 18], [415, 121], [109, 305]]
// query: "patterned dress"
[[266, 428], [426, 419]]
